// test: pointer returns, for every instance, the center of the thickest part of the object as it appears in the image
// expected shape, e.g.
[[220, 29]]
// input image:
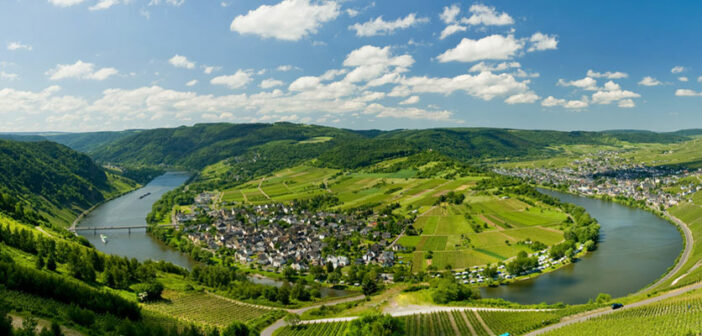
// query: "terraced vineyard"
[[675, 316], [330, 329], [206, 309], [518, 323]]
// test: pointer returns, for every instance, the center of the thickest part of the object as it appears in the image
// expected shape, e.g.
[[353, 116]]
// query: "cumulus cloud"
[[12, 46], [608, 74], [104, 4], [687, 93], [450, 14], [167, 2], [586, 83], [496, 47], [482, 66], [80, 70], [626, 103], [550, 101], [485, 15], [238, 80], [612, 92], [406, 113], [192, 82], [65, 3], [683, 79], [8, 76], [270, 83], [522, 98], [677, 69], [180, 61], [287, 67], [699, 79], [382, 27], [649, 81], [541, 41], [289, 20], [450, 30], [410, 101]]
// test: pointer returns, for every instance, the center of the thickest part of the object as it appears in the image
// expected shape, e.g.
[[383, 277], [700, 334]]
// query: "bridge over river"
[[128, 228]]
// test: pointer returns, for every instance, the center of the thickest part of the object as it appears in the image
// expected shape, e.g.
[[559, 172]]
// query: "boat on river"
[[144, 195], [103, 238]]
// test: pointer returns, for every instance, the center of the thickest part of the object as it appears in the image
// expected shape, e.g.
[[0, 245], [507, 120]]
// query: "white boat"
[[103, 238]]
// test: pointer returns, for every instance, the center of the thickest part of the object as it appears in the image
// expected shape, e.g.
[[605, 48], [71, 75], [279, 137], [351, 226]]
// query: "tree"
[[236, 329], [39, 263], [51, 263], [5, 321], [370, 284], [289, 273], [150, 291], [284, 293], [376, 325], [292, 319]]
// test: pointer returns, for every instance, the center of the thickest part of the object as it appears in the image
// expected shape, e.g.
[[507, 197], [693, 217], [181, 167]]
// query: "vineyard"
[[326, 329], [677, 316], [518, 323], [206, 309]]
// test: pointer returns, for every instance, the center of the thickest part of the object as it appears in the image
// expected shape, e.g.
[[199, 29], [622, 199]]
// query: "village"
[[605, 173], [274, 236]]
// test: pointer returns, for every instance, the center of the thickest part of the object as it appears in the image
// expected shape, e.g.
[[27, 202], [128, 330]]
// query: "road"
[[281, 323], [689, 242], [602, 312]]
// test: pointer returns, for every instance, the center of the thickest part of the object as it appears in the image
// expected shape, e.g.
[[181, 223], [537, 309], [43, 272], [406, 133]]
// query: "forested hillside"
[[45, 179], [286, 144]]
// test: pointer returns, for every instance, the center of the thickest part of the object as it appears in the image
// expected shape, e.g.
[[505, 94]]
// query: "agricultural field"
[[691, 214], [330, 329], [483, 229], [675, 316], [206, 309]]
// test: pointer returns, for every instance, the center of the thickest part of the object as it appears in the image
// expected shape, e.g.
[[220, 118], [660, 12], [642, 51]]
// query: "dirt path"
[[281, 323], [602, 312], [485, 326], [244, 195], [453, 325], [486, 220], [470, 326], [696, 266], [261, 189], [689, 241]]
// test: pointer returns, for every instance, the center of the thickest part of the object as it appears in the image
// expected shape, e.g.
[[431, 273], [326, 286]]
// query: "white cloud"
[[104, 4], [382, 27], [270, 83], [484, 15], [550, 101], [485, 85], [410, 101], [677, 69], [541, 41], [451, 29], [649, 81], [612, 93], [626, 103], [496, 47], [65, 3], [687, 93], [304, 83], [8, 76], [406, 113], [286, 68], [180, 61], [683, 79], [586, 83], [235, 81], [12, 46], [482, 66], [699, 79], [289, 20], [209, 69], [608, 74], [449, 15], [192, 82], [352, 12], [80, 70], [522, 98], [168, 2]]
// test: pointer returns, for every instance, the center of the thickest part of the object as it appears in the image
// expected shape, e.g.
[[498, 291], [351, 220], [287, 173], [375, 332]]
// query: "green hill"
[[45, 179]]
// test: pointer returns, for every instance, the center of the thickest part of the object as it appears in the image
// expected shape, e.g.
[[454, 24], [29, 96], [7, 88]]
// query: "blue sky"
[[83, 65]]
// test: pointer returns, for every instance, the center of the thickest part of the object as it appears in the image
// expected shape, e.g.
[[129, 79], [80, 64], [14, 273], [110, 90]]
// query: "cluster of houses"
[[606, 174], [277, 235]]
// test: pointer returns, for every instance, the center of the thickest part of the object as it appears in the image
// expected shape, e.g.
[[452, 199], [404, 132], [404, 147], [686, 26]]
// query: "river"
[[131, 210], [636, 247]]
